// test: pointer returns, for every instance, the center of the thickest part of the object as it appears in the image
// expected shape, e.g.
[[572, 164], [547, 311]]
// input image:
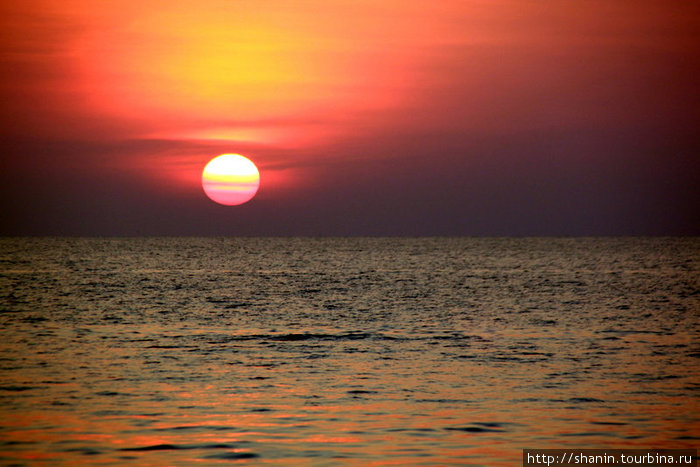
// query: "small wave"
[[292, 337], [352, 335], [17, 443], [474, 429], [109, 393], [583, 399], [84, 451], [17, 388], [543, 322], [299, 337], [175, 447], [155, 447], [492, 424]]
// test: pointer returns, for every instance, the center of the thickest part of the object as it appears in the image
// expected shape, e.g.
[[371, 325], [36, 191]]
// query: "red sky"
[[480, 117]]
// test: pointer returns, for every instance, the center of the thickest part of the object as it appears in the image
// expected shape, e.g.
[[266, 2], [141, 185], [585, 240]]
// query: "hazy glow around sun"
[[230, 179]]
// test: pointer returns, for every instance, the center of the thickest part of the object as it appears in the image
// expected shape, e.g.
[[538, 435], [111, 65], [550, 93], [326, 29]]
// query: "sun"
[[230, 179]]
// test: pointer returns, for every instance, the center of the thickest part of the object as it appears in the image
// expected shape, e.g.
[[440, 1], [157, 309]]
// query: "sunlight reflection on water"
[[344, 351]]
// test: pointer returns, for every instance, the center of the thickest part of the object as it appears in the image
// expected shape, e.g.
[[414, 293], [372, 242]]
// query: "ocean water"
[[357, 351]]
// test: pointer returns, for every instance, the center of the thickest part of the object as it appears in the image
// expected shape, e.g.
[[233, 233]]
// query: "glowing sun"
[[230, 179]]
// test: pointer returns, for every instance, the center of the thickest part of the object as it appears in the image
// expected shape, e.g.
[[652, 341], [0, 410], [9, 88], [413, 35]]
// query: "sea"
[[344, 351]]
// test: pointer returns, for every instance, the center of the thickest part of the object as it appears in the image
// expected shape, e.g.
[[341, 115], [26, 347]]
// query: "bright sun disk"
[[230, 179]]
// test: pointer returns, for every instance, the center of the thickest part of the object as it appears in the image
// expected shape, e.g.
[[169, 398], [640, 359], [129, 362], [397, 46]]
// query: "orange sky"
[[153, 90]]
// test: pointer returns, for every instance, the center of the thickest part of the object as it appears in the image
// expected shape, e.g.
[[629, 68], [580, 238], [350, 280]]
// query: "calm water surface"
[[344, 351]]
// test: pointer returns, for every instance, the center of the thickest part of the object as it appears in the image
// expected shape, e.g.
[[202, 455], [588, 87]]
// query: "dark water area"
[[417, 351]]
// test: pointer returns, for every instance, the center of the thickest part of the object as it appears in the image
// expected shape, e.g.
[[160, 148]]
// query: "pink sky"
[[454, 117]]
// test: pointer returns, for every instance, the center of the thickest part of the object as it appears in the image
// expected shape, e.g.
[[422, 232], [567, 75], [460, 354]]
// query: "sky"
[[364, 117]]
